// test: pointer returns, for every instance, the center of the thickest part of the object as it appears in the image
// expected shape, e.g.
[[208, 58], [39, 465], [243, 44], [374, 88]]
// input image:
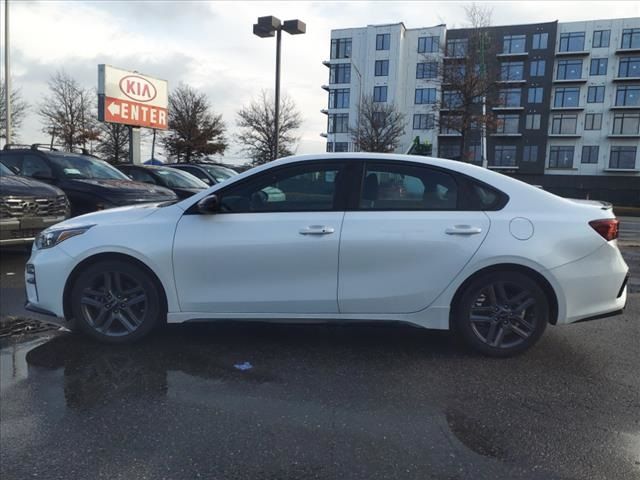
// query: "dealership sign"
[[131, 98]]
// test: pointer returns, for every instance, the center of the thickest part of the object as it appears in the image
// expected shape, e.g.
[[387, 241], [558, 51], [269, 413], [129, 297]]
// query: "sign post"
[[132, 99]]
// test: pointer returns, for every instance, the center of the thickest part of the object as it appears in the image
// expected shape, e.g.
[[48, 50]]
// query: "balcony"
[[566, 109], [325, 87], [625, 51], [505, 82], [323, 135], [326, 63], [625, 107], [573, 53], [451, 135], [503, 167], [570, 80], [623, 135], [512, 55], [564, 135], [505, 108], [626, 79], [498, 134], [325, 111]]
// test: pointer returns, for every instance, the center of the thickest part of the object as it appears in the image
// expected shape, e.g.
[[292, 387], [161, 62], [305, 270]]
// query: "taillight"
[[607, 228]]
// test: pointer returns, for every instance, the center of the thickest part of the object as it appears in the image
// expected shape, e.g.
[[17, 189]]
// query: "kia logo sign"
[[138, 88]]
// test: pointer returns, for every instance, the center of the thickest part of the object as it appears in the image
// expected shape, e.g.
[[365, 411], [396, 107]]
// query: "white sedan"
[[353, 237]]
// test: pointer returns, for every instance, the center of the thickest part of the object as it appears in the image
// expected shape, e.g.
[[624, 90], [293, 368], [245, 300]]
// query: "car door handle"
[[317, 230], [463, 230]]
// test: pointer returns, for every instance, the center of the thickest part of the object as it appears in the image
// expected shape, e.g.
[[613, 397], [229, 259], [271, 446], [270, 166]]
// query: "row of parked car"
[[41, 186]]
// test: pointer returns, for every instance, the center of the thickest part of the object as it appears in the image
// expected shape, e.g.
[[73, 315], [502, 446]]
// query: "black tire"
[[116, 301], [501, 301]]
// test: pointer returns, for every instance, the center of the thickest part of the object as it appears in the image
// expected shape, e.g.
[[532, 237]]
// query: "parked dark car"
[[209, 173], [89, 183], [27, 207], [182, 183]]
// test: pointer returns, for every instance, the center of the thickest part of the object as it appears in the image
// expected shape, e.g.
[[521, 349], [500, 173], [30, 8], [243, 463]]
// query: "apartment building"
[[566, 99]]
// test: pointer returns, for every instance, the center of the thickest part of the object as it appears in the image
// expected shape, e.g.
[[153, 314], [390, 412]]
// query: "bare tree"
[[194, 129], [468, 80], [379, 126], [257, 133], [68, 112], [19, 109], [114, 142]]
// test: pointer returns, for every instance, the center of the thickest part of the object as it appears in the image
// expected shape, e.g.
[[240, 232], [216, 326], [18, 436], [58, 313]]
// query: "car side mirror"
[[209, 205]]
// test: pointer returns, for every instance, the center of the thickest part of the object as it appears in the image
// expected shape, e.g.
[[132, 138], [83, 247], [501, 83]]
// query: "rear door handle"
[[317, 230], [463, 230]]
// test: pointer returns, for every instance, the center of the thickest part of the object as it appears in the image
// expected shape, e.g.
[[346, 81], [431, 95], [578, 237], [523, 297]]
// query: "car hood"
[[17, 186], [119, 215], [118, 190]]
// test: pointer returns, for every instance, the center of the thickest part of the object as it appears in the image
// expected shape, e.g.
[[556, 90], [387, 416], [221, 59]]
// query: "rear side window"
[[407, 187], [483, 197]]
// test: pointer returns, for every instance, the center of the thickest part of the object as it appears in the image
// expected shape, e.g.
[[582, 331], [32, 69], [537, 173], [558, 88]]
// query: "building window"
[[590, 154], [513, 43], [451, 99], [339, 98], [630, 38], [425, 95], [593, 121], [509, 97], [540, 41], [534, 95], [508, 124], [530, 153], [457, 47], [383, 41], [428, 44], [450, 124], [623, 157], [340, 48], [561, 157], [454, 72], [423, 121], [380, 94], [598, 66], [569, 70], [329, 146], [511, 71], [505, 156], [537, 67], [382, 68], [629, 67], [340, 73], [427, 70], [342, 147], [572, 42], [450, 151], [626, 124], [474, 153], [595, 94], [601, 38], [566, 97], [532, 121], [338, 123], [628, 96], [564, 124]]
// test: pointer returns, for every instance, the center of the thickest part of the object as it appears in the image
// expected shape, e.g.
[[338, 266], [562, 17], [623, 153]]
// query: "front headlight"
[[52, 237]]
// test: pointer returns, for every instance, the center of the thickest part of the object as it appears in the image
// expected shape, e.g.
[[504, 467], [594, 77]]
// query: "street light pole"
[[7, 76], [268, 27]]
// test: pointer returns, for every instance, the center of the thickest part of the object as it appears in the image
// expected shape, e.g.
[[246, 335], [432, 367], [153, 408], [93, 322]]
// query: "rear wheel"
[[116, 302], [501, 313]]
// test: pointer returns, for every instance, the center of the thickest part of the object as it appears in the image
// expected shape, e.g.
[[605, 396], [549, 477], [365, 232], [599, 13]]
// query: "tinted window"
[[407, 187], [76, 166], [12, 160], [35, 165], [310, 187], [173, 178], [140, 175], [5, 170]]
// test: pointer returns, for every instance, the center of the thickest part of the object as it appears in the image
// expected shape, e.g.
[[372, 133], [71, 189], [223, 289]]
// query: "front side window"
[[340, 48], [340, 73], [381, 68], [535, 95], [428, 44], [540, 41], [513, 44], [628, 96], [595, 94], [425, 95], [504, 156], [508, 124], [566, 97], [630, 38], [407, 187], [530, 153], [561, 157], [572, 42], [626, 124], [593, 121], [383, 41], [457, 47], [564, 124], [590, 154], [623, 157], [629, 67], [569, 70], [510, 97], [532, 121], [299, 188], [537, 67], [380, 94], [598, 66], [601, 38], [427, 70], [423, 121]]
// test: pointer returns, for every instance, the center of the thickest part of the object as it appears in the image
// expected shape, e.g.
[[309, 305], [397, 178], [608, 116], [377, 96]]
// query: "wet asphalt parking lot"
[[260, 401]]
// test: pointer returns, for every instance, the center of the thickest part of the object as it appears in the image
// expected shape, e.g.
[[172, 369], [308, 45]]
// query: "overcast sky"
[[210, 45]]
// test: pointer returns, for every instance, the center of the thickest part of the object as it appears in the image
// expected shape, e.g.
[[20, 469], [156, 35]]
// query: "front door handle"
[[463, 230], [317, 230]]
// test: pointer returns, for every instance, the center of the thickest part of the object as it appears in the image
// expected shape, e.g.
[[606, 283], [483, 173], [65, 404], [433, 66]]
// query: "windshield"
[[219, 173], [5, 170], [75, 166], [177, 179]]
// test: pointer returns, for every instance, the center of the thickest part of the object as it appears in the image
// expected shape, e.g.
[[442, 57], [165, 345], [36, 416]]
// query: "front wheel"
[[501, 313], [116, 302]]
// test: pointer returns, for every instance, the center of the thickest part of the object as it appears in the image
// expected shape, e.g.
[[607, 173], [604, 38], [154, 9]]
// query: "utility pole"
[[7, 76], [277, 119], [483, 132]]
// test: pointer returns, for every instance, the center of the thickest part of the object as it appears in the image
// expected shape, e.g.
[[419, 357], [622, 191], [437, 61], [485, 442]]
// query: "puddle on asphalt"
[[13, 359]]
